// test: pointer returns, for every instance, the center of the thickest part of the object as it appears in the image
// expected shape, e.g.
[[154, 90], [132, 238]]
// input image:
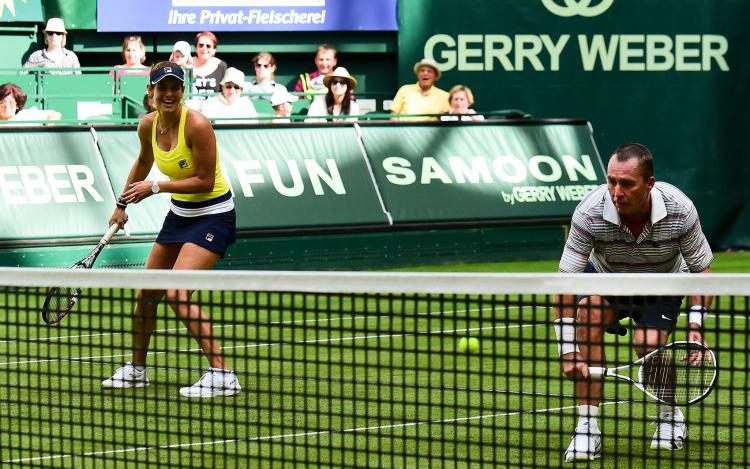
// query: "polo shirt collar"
[[430, 91], [658, 207]]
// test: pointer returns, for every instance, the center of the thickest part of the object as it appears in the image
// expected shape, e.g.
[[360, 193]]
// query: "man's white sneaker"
[[127, 377], [586, 444], [215, 382], [671, 431]]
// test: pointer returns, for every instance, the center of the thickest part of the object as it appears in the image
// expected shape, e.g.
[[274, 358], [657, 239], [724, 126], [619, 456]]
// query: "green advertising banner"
[[670, 74], [21, 11], [52, 185], [311, 176], [61, 183], [483, 171], [280, 178], [119, 150]]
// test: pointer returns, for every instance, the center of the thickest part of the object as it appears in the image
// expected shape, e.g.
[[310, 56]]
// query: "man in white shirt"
[[631, 224]]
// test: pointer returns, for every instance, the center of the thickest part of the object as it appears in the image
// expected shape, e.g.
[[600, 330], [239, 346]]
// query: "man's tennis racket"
[[680, 373], [60, 301]]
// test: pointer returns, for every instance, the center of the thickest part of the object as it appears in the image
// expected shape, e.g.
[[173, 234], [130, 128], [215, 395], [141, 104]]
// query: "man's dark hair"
[[627, 151]]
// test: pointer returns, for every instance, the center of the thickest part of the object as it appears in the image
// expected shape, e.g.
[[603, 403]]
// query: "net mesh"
[[343, 370]]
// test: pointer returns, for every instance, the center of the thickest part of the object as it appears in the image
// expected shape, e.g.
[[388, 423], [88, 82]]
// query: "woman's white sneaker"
[[127, 376], [214, 383]]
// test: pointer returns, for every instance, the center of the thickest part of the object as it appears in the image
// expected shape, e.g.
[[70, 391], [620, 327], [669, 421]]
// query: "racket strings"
[[59, 303], [660, 376], [679, 375]]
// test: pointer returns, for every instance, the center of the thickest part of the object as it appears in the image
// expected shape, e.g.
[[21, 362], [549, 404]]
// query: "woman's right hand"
[[119, 216]]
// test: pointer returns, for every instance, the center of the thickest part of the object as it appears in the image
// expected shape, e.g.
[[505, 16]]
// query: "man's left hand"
[[695, 335]]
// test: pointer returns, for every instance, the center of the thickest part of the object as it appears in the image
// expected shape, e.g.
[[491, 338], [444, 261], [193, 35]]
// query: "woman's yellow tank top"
[[177, 164]]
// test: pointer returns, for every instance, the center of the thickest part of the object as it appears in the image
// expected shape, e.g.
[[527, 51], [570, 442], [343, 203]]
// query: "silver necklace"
[[162, 130]]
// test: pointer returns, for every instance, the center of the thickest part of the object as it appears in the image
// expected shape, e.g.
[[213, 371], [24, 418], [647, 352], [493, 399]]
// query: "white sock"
[[140, 368], [588, 413], [671, 411]]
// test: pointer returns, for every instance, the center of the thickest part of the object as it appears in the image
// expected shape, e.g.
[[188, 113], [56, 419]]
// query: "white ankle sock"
[[588, 413], [670, 410]]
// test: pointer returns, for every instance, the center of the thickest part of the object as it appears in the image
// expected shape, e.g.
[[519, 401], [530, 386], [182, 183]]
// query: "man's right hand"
[[573, 366]]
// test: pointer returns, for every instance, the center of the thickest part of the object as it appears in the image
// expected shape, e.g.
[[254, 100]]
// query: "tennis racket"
[[61, 300], [680, 373]]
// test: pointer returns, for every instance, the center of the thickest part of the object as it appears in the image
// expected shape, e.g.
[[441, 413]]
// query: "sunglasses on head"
[[263, 65], [339, 82], [207, 46], [54, 33]]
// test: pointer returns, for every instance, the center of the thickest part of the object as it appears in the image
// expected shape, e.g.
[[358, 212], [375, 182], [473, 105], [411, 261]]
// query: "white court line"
[[275, 344], [221, 326], [296, 321], [297, 435]]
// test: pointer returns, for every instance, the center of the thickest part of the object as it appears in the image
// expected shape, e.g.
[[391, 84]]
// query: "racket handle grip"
[[110, 232], [596, 372]]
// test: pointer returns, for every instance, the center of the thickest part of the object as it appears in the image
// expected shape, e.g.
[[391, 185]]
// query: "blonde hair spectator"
[[465, 89], [133, 51], [460, 100]]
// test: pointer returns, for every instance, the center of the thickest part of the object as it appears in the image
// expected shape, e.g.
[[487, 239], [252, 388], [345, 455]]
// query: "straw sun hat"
[[340, 72]]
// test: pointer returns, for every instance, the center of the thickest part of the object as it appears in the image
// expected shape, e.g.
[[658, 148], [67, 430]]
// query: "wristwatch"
[[155, 187]]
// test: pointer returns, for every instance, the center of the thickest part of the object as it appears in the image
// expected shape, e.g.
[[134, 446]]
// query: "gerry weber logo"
[[577, 7]]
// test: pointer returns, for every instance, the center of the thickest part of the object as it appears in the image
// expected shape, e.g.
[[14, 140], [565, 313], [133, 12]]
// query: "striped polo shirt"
[[672, 240]]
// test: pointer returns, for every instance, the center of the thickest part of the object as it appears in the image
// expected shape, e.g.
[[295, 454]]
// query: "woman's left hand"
[[138, 191]]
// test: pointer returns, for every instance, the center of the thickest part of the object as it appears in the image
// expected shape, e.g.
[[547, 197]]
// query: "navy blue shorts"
[[215, 232], [654, 312]]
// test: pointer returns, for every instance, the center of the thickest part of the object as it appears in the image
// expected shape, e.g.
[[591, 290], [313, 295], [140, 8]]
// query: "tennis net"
[[349, 370]]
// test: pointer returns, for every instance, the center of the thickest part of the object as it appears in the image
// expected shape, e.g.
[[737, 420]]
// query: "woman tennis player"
[[197, 231]]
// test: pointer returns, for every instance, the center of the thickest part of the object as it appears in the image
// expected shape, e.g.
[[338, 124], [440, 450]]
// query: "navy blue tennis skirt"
[[215, 232]]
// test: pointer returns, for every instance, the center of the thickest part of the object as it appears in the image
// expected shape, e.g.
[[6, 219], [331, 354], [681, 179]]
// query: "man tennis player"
[[630, 224]]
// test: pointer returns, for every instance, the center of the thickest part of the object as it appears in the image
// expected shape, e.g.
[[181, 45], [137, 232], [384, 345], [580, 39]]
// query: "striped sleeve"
[[694, 246], [579, 244]]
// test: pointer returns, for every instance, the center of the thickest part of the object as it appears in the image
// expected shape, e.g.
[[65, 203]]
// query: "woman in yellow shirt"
[[196, 233]]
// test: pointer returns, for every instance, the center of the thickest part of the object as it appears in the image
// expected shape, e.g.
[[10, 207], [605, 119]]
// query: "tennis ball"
[[468, 345]]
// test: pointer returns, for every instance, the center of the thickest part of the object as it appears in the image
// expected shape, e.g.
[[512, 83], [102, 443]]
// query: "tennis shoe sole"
[[193, 392], [121, 384]]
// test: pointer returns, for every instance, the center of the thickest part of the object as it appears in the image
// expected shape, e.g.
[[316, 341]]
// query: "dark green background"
[[695, 123]]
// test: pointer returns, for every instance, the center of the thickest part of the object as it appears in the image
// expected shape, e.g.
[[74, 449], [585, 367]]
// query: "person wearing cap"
[[181, 54], [338, 100], [282, 106], [264, 86], [230, 103], [55, 55], [208, 70], [422, 97], [198, 229]]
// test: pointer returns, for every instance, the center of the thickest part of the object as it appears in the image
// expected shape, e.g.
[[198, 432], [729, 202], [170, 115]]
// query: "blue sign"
[[246, 15]]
